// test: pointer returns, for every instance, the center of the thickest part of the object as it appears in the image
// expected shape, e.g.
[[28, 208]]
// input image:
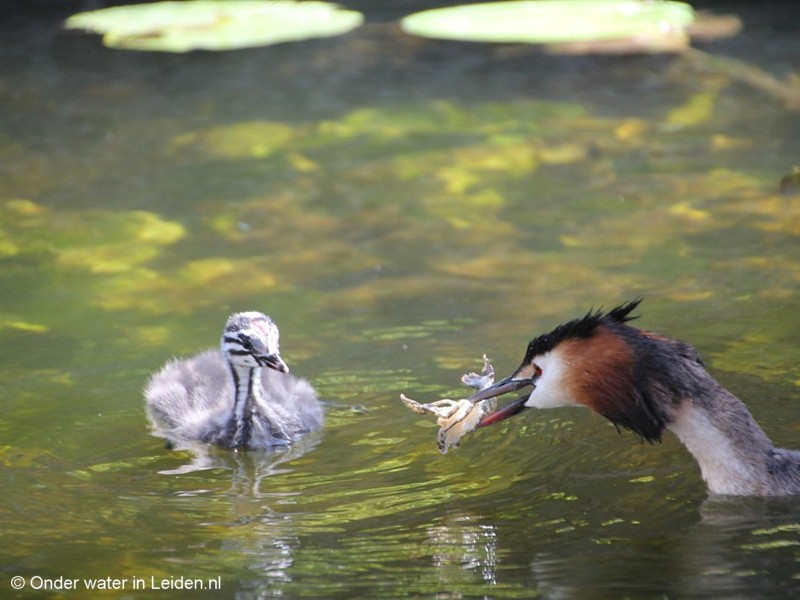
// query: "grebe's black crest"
[[621, 370], [581, 328], [649, 382]]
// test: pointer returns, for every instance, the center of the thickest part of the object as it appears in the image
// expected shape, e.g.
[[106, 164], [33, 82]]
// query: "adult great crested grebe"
[[225, 397], [647, 382]]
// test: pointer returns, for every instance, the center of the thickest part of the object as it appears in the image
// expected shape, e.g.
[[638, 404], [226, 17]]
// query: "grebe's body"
[[647, 383], [228, 398]]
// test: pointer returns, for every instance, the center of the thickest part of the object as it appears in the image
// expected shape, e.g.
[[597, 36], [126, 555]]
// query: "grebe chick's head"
[[631, 377], [251, 339]]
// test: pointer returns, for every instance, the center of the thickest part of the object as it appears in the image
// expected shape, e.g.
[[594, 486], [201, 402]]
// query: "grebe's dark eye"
[[537, 371]]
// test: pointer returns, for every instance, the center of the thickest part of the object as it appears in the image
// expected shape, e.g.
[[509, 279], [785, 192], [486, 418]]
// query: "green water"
[[399, 208]]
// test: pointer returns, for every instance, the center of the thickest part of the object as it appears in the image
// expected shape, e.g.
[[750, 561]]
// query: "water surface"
[[399, 207]]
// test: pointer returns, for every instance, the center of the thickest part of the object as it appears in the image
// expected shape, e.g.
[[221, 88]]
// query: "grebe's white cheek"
[[547, 395], [550, 391]]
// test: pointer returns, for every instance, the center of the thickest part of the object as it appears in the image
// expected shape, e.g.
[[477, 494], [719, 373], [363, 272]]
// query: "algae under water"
[[399, 207]]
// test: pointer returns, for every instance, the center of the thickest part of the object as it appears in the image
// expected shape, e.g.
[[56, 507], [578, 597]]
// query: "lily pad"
[[551, 21], [215, 24]]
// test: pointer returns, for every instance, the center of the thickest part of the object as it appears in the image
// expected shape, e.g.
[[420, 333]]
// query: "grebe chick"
[[226, 397], [648, 382]]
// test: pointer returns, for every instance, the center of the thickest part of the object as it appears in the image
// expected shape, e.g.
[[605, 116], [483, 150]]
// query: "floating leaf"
[[551, 21], [214, 24]]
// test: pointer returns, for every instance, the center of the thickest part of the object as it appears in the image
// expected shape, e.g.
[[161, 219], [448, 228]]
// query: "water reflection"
[[741, 542], [253, 517], [463, 546], [401, 207], [248, 468]]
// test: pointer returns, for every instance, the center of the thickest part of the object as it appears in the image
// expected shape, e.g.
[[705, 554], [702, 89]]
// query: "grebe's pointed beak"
[[522, 378], [274, 361], [501, 414], [509, 384]]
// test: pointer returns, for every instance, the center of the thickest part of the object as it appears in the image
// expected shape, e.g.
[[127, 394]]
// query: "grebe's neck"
[[733, 452], [249, 395], [253, 417], [647, 382]]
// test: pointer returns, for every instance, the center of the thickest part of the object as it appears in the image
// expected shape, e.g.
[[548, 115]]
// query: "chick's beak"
[[274, 361]]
